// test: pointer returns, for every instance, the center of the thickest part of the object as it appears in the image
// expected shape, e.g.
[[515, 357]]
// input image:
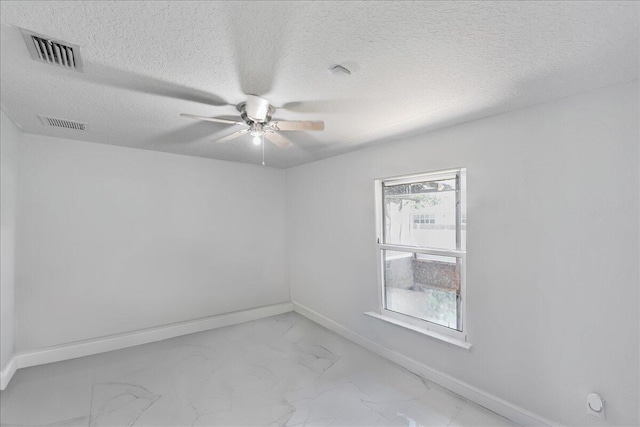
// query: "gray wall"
[[114, 239], [9, 135], [111, 239], [552, 237]]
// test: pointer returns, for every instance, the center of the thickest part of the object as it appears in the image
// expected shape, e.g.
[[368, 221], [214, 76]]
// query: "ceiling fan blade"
[[296, 125], [256, 62], [212, 119], [189, 133], [233, 136], [325, 106], [107, 76], [277, 139]]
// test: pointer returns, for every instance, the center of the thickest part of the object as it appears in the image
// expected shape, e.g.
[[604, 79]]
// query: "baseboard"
[[7, 372], [130, 339], [494, 403]]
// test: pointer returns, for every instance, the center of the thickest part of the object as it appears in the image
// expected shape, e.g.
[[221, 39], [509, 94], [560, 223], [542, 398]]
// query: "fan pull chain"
[[262, 150]]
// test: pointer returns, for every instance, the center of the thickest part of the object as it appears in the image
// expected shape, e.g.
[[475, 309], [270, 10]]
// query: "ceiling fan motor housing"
[[257, 109]]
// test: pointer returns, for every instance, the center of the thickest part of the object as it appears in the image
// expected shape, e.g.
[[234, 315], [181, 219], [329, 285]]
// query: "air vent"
[[54, 52], [62, 123]]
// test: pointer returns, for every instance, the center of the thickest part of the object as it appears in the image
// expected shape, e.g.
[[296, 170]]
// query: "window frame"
[[454, 336]]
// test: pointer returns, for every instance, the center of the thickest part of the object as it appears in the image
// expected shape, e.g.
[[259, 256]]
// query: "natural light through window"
[[422, 249]]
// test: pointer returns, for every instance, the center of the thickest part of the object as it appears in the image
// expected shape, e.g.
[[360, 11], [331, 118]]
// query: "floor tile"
[[283, 370]]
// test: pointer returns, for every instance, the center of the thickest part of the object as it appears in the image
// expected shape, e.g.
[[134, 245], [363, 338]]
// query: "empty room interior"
[[320, 213]]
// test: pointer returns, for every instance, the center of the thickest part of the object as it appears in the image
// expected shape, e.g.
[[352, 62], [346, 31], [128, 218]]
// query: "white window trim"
[[420, 329], [448, 335]]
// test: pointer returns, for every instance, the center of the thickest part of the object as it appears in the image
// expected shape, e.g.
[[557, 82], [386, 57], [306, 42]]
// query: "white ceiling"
[[416, 66]]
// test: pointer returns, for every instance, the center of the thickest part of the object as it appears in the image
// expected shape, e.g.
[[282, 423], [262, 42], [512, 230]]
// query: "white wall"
[[9, 136], [552, 273], [114, 239]]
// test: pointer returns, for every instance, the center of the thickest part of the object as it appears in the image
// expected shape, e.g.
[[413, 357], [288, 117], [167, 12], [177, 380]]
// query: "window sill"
[[423, 331]]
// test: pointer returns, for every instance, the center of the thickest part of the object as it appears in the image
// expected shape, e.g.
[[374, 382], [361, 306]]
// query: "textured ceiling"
[[416, 66]]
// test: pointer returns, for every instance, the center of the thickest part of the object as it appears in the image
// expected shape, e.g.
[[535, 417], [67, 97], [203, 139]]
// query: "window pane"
[[421, 214], [423, 286]]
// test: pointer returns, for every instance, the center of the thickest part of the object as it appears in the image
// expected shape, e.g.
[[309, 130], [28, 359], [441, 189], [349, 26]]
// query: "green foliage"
[[441, 305], [424, 200]]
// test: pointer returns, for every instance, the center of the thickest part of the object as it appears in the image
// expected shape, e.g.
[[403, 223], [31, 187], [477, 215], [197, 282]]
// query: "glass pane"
[[423, 286], [421, 214]]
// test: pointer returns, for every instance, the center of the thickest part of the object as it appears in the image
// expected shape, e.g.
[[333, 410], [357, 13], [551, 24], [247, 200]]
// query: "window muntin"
[[422, 247]]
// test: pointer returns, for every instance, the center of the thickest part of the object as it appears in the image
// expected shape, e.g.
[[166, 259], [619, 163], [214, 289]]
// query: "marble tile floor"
[[283, 370]]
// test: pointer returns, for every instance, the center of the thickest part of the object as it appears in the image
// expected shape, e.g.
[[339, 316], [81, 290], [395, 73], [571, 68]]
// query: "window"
[[422, 250]]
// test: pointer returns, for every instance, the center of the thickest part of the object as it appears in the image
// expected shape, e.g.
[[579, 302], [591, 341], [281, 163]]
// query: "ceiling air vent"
[[54, 52], [62, 123]]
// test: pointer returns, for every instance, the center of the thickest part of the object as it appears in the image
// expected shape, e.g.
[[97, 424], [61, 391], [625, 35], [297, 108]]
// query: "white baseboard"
[[144, 336], [494, 403], [7, 372]]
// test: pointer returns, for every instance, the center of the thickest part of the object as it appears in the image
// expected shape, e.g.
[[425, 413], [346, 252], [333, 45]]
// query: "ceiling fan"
[[256, 114]]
